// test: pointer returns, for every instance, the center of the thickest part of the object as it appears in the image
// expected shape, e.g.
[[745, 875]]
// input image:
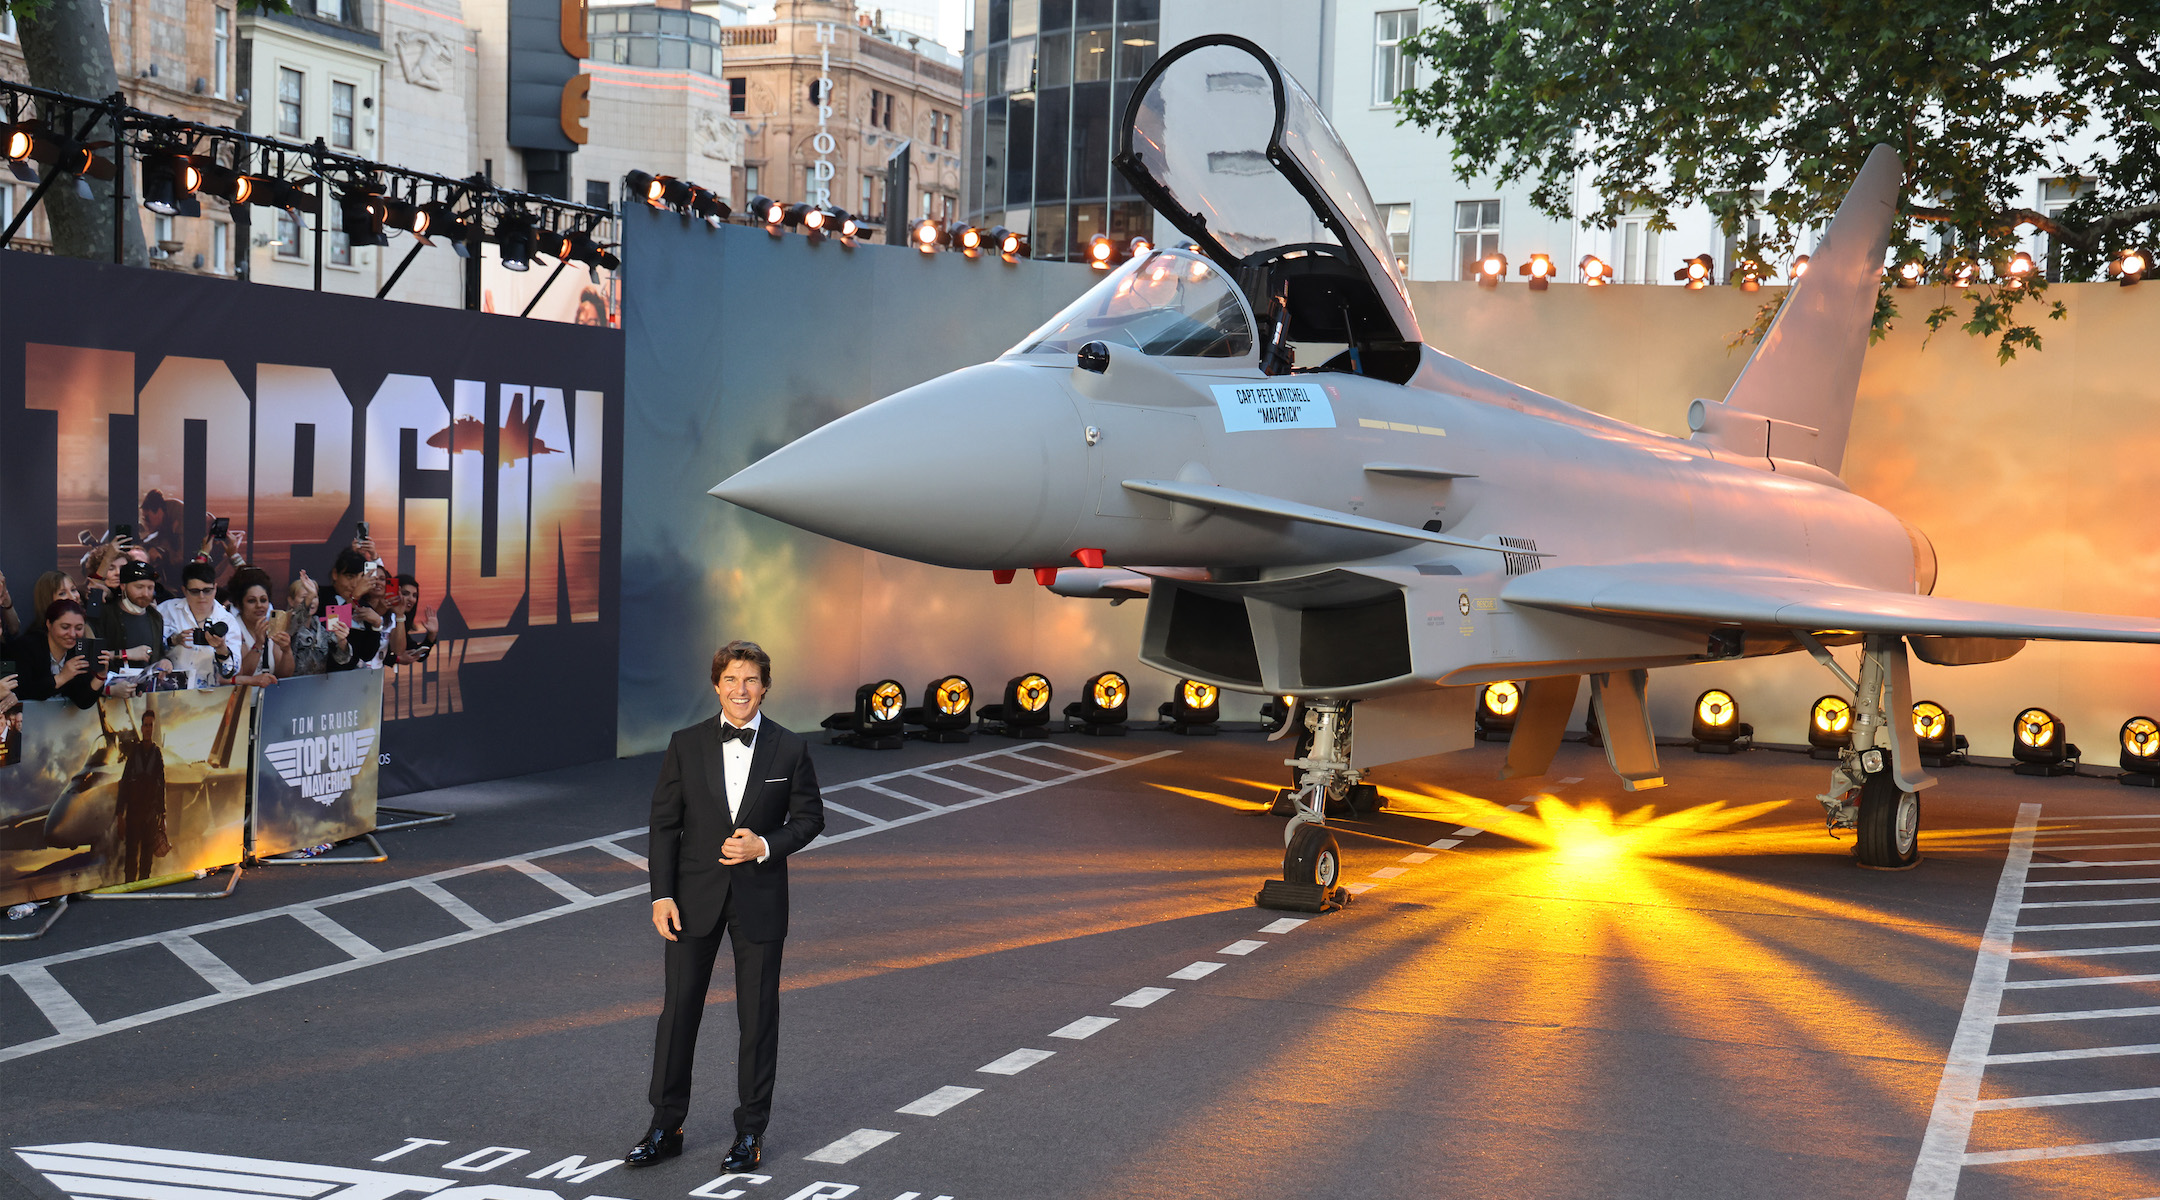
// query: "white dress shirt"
[[736, 756], [179, 618]]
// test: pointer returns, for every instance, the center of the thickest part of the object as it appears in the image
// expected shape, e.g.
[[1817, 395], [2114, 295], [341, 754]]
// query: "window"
[[220, 233], [950, 203], [288, 236], [870, 208], [1477, 234], [888, 111], [341, 115], [750, 181], [290, 85], [1393, 71], [7, 26], [943, 133], [1395, 218], [161, 231], [2055, 196], [929, 204], [1748, 232], [340, 241], [220, 52], [1091, 56], [596, 193], [1638, 250], [738, 93]]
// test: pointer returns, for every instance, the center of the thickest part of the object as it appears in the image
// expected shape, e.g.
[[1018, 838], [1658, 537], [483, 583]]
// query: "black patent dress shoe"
[[657, 1145], [744, 1154]]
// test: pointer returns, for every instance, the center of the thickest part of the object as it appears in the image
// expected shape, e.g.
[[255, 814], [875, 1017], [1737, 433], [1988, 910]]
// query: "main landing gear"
[[1312, 859], [1875, 788]]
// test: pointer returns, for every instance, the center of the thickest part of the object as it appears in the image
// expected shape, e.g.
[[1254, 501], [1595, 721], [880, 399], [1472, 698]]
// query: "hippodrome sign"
[[820, 190]]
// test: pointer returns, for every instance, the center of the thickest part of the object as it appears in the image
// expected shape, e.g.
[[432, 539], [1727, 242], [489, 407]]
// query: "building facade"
[[803, 143], [178, 57]]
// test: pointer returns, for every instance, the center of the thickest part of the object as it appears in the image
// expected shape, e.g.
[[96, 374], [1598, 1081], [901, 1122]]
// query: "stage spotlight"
[[1910, 273], [1697, 272], [946, 711], [1275, 711], [820, 220], [2019, 270], [552, 244], [926, 235], [1941, 745], [640, 184], [1101, 706], [2041, 745], [2140, 753], [360, 215], [710, 208], [443, 222], [1101, 250], [673, 192], [1717, 726], [874, 723], [1192, 708], [1829, 727], [1962, 272], [405, 215], [169, 183], [1139, 245], [1497, 706], [2130, 266], [1751, 275], [767, 211], [1595, 271], [1006, 242], [1490, 269], [1539, 269], [1799, 268], [1025, 711], [514, 234], [20, 138], [792, 216], [968, 240]]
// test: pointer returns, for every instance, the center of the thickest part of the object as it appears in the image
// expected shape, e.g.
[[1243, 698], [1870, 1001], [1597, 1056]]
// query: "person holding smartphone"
[[267, 656], [351, 585], [62, 666], [131, 622]]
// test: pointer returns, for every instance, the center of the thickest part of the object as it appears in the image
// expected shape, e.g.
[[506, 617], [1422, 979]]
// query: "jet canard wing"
[[1705, 595]]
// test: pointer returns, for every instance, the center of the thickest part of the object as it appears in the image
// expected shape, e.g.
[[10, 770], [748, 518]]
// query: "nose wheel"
[[1312, 858]]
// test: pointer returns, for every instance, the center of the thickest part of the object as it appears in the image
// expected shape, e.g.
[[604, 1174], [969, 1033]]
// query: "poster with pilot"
[[577, 295], [131, 789], [316, 760]]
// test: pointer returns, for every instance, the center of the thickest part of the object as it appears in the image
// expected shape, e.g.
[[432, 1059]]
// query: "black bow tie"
[[731, 733]]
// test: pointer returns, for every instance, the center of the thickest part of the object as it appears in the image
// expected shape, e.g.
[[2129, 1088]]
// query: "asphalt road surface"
[[1038, 973]]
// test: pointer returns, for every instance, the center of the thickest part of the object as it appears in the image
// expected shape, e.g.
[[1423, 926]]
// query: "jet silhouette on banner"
[[1330, 511], [517, 441]]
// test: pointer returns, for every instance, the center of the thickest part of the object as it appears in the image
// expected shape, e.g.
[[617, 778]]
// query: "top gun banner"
[[483, 451]]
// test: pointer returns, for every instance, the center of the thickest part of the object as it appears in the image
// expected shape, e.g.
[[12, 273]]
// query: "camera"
[[219, 528], [217, 629]]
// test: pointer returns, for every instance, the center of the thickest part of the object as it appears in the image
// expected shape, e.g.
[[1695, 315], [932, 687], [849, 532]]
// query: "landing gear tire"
[[1889, 825], [1313, 857]]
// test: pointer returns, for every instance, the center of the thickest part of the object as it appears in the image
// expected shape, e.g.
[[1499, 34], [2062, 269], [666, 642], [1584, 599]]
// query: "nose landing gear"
[[1312, 859]]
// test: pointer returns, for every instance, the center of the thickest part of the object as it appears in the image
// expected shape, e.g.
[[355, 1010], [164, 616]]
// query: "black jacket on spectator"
[[34, 674], [121, 630], [363, 640]]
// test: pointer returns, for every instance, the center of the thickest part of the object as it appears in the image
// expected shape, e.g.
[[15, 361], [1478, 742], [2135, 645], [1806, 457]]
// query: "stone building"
[[173, 57], [800, 146]]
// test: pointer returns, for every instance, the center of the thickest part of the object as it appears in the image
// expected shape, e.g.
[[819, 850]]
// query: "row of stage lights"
[[819, 221], [882, 718], [182, 161], [2127, 268], [2039, 741]]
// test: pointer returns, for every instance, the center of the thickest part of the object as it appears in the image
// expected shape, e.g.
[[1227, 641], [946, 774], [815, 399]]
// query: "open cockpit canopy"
[[1228, 148]]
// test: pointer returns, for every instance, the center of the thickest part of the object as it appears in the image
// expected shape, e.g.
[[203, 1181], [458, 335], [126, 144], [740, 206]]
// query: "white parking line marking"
[[455, 907], [1283, 926], [2120, 862], [1389, 872], [2048, 833], [2080, 1052], [1517, 807], [851, 1147], [1949, 1131], [2062, 1098], [212, 968], [2094, 1148], [1359, 889], [1142, 998], [1242, 946], [1199, 970], [1016, 1062], [2090, 903], [1085, 1027], [2090, 1014], [2091, 925], [1419, 857], [2106, 846], [1468, 831], [937, 1101], [2089, 882], [2087, 952], [2086, 981], [1445, 843]]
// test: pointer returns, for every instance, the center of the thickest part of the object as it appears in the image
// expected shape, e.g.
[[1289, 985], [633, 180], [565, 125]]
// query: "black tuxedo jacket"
[[690, 821]]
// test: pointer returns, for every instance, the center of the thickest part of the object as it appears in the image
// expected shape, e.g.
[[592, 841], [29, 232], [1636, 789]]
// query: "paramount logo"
[[321, 768]]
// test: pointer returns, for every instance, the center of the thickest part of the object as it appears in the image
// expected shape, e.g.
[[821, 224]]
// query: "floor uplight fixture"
[[1192, 708], [2041, 745], [1718, 728], [946, 712], [2140, 740], [1829, 728], [1497, 705], [1941, 745], [1100, 710], [874, 723]]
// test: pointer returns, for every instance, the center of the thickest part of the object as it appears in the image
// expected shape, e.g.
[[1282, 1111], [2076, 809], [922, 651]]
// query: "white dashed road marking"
[[1284, 926], [1445, 843], [1247, 946], [1016, 1062], [934, 1103], [851, 1147], [1199, 970], [1085, 1027], [1389, 872], [1142, 998]]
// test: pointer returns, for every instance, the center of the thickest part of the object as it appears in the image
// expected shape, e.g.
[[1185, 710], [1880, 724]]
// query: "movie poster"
[[316, 763], [482, 453], [574, 295], [131, 789]]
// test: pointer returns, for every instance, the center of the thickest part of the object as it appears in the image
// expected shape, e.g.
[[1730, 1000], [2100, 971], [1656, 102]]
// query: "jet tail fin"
[[1801, 381]]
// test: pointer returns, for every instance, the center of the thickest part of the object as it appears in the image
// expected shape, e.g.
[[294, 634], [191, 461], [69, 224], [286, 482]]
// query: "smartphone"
[[392, 587], [420, 653], [219, 527], [342, 612], [360, 531], [123, 530], [6, 669]]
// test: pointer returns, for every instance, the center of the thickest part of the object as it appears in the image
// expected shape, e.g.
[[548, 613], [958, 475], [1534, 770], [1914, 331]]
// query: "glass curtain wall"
[[1047, 84]]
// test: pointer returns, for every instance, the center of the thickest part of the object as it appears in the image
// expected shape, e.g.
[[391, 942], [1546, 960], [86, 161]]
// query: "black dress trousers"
[[689, 967]]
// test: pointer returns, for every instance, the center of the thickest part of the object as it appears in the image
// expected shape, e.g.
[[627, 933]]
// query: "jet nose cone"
[[969, 470]]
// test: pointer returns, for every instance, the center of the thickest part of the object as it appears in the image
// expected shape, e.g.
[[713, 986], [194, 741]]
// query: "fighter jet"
[[1331, 511], [517, 441]]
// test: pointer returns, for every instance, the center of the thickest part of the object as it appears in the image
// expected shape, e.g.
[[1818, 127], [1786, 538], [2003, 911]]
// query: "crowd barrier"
[[180, 782]]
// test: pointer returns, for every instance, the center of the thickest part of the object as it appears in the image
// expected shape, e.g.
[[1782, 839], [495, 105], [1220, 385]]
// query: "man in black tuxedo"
[[736, 796]]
